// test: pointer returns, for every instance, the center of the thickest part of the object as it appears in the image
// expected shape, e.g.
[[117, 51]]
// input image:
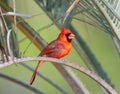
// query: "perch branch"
[[60, 61]]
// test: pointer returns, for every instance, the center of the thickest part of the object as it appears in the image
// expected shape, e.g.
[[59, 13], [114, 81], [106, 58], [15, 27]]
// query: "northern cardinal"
[[56, 49]]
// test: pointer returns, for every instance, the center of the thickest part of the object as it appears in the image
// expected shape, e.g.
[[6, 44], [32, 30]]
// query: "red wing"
[[49, 49], [56, 49]]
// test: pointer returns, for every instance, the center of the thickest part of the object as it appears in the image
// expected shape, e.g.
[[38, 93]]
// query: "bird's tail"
[[35, 72]]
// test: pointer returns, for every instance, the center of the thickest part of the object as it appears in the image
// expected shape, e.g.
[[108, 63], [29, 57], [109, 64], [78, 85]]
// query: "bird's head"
[[66, 35]]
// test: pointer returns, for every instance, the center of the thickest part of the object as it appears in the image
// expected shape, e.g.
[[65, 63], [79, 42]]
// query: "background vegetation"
[[93, 47]]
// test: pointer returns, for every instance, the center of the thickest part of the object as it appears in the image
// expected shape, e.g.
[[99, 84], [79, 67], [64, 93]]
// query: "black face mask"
[[67, 36]]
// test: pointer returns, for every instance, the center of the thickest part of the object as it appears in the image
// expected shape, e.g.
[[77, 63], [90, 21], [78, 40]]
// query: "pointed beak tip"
[[72, 36]]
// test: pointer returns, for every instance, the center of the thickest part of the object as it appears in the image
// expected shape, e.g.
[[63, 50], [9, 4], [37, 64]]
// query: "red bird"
[[56, 49]]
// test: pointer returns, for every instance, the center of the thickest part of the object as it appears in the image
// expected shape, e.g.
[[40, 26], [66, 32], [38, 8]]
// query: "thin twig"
[[92, 75], [14, 10], [4, 22], [3, 43], [15, 29], [70, 9], [3, 32], [3, 53], [8, 45], [17, 14]]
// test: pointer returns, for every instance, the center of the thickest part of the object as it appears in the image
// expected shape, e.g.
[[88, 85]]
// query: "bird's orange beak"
[[71, 36]]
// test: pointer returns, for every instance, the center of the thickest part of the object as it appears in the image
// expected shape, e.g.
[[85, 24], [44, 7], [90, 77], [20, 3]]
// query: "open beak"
[[71, 36]]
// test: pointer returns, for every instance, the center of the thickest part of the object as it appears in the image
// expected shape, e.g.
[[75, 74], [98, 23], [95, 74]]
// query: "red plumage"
[[56, 49]]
